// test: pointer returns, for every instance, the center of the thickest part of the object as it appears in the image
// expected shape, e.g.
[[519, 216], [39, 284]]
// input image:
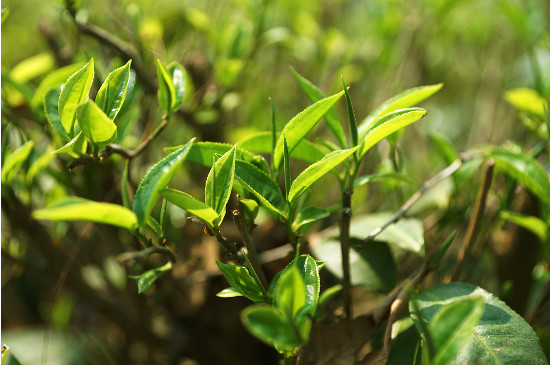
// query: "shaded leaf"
[[290, 292], [155, 180], [148, 278], [352, 122], [166, 94], [220, 182], [79, 209], [192, 205], [112, 93], [240, 279], [315, 171], [75, 92], [95, 125], [51, 100], [75, 147], [307, 216], [299, 126]]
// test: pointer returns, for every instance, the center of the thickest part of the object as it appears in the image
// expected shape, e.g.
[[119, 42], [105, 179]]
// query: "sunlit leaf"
[[526, 100], [54, 79], [32, 67], [220, 182], [75, 92], [155, 180], [166, 93], [299, 126], [192, 205], [352, 122], [533, 224], [15, 160], [304, 150], [240, 279], [79, 209], [95, 124], [229, 293], [112, 93], [362, 180], [148, 278], [51, 100]]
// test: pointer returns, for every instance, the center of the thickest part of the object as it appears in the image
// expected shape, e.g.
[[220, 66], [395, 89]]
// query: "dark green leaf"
[[241, 280], [526, 170], [95, 125], [270, 326], [315, 94], [204, 152], [286, 168], [527, 100], [533, 224], [308, 269], [441, 250], [51, 100], [155, 180], [75, 147], [261, 186], [229, 293], [74, 93], [315, 171], [148, 278], [220, 182], [193, 206], [112, 93], [15, 160], [5, 137], [79, 209], [501, 337], [444, 146], [124, 185], [299, 126]]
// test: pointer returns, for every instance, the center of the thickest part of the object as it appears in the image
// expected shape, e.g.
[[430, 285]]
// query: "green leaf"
[[167, 93], [204, 152], [148, 278], [4, 147], [193, 206], [286, 163], [500, 337], [177, 75], [372, 268], [308, 269], [124, 185], [299, 126], [525, 170], [15, 160], [112, 93], [51, 100], [441, 250], [155, 226], [229, 293], [305, 150], [220, 182], [327, 296], [95, 125], [362, 180], [315, 94], [79, 209], [452, 327], [155, 180], [315, 171], [351, 117], [406, 99], [388, 124], [272, 327], [527, 100], [75, 147], [273, 130], [533, 224], [444, 146], [54, 79], [32, 67], [290, 292], [241, 280], [74, 93], [308, 216], [261, 186]]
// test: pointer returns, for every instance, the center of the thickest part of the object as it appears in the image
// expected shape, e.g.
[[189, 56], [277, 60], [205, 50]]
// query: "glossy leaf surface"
[[79, 209], [220, 181], [54, 79], [166, 94], [112, 93], [155, 180], [96, 126], [290, 292], [240, 279], [192, 205], [75, 92]]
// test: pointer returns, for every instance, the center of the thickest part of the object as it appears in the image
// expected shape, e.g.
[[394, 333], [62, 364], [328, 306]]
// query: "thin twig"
[[145, 253], [475, 220], [442, 175], [344, 244]]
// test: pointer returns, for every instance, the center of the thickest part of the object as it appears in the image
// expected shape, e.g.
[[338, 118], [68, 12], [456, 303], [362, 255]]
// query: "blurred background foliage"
[[237, 55]]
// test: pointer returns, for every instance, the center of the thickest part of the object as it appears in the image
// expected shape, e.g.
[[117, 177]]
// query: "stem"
[[442, 175], [344, 244], [475, 220], [240, 221], [144, 254]]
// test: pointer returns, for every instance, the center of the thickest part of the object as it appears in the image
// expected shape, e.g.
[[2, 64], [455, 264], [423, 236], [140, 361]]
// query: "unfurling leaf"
[[112, 93], [95, 125], [148, 278]]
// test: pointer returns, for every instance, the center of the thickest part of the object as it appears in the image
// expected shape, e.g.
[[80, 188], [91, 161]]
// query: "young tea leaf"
[[315, 94], [290, 293], [75, 92], [309, 270], [167, 93], [112, 93], [177, 75], [193, 206], [299, 126], [307, 216], [15, 160], [51, 100], [75, 147], [305, 150], [351, 118], [286, 160], [79, 209], [54, 79], [95, 125], [314, 172], [241, 280], [220, 182], [155, 180], [148, 278]]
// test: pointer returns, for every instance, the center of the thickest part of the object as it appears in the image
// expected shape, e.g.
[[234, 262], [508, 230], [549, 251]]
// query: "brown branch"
[[442, 175], [345, 245], [142, 255], [475, 220]]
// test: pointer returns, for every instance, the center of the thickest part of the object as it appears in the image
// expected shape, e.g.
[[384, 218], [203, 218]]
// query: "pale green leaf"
[[315, 171], [290, 292], [51, 100], [95, 125], [54, 79], [155, 180], [261, 143], [166, 93], [79, 209], [531, 223], [75, 92], [526, 100], [299, 126], [32, 67], [112, 93], [192, 205], [15, 160], [315, 94], [220, 182], [362, 180], [229, 293], [75, 147]]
